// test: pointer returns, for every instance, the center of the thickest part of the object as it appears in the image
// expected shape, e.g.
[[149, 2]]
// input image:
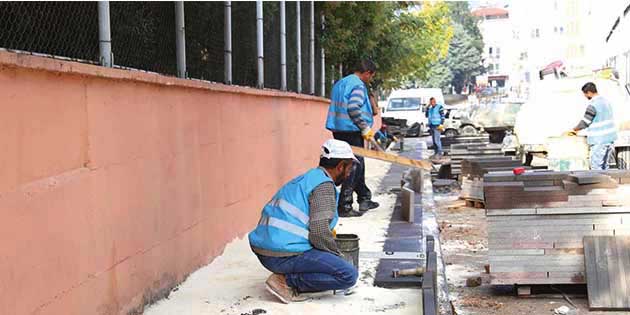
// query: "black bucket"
[[349, 247]]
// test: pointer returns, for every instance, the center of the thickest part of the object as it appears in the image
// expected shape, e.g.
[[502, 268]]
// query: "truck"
[[556, 106], [411, 105]]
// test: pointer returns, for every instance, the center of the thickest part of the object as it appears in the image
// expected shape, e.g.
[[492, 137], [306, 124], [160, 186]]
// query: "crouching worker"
[[294, 237]]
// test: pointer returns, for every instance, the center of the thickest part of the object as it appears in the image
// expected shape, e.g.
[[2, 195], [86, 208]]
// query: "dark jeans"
[[313, 271], [435, 136], [356, 181]]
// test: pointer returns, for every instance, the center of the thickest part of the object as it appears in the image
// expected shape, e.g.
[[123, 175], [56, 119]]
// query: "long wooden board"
[[423, 164], [607, 260]]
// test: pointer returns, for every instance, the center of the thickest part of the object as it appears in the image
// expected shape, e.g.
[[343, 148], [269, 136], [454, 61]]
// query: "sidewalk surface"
[[234, 282]]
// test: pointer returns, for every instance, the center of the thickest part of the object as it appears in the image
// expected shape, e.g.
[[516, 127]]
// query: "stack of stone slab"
[[460, 152], [536, 222], [447, 142], [474, 169]]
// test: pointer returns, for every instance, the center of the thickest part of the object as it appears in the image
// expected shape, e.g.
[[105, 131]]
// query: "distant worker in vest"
[[435, 115], [350, 118], [294, 238], [601, 132]]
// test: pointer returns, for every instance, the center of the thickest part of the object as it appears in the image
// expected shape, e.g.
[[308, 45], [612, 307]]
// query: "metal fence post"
[[180, 39], [283, 46], [298, 37], [323, 74], [311, 57], [227, 33], [259, 41], [104, 34]]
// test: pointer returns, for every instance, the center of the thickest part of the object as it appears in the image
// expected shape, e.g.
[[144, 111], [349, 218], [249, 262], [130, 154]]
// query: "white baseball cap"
[[337, 149]]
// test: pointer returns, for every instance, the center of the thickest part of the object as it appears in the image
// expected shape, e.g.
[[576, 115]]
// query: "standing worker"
[[350, 118], [294, 237], [601, 132], [435, 114]]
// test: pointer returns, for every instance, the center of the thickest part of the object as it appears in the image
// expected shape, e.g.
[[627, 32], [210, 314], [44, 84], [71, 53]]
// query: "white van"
[[411, 105]]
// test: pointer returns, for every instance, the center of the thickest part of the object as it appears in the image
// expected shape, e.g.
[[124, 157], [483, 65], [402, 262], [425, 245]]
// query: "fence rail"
[[212, 41]]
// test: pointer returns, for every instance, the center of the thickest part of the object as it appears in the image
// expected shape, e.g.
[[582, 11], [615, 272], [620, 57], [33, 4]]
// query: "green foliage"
[[463, 61], [401, 38]]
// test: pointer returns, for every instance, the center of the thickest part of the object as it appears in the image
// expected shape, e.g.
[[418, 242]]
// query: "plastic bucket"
[[349, 247]]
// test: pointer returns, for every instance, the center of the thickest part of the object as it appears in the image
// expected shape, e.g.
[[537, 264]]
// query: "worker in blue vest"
[[601, 132], [294, 238], [435, 115], [350, 119]]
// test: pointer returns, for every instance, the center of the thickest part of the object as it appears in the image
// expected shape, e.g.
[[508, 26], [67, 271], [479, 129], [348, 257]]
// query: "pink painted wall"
[[115, 185]]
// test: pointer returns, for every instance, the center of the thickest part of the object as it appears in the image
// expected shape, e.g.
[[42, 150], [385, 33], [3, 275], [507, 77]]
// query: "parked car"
[[410, 105]]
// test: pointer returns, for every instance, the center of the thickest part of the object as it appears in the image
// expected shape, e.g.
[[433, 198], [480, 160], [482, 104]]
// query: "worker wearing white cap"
[[294, 237]]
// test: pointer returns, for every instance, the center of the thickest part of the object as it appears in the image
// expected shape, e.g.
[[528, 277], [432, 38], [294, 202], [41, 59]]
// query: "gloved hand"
[[440, 128], [395, 139], [367, 134], [571, 133], [334, 233]]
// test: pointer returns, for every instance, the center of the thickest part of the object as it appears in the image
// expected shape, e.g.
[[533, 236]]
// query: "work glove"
[[440, 128], [367, 134], [571, 133], [395, 139]]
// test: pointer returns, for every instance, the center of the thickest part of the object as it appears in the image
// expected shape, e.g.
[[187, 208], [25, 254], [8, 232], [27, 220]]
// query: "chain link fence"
[[143, 37]]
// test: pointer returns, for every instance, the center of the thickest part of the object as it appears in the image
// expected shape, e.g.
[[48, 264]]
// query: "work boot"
[[350, 213], [277, 285], [367, 205]]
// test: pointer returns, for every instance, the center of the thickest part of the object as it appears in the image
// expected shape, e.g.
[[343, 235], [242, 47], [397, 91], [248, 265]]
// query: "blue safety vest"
[[338, 118], [435, 119], [283, 226], [602, 130]]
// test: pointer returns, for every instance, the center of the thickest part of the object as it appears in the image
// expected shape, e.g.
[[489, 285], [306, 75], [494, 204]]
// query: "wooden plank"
[[607, 270], [423, 164]]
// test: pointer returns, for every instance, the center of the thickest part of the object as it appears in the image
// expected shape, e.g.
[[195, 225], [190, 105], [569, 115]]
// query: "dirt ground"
[[465, 247]]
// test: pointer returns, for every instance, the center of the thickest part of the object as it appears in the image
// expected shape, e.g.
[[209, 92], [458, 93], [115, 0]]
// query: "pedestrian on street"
[[435, 115], [350, 119], [294, 238], [601, 132]]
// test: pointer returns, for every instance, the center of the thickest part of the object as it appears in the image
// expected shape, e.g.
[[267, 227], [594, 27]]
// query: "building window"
[[498, 55], [490, 50], [537, 33]]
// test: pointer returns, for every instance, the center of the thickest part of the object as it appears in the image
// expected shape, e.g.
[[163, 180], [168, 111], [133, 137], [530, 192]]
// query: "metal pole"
[[340, 70], [259, 41], [299, 47], [227, 30], [332, 75], [180, 34], [323, 74], [104, 34], [283, 46], [311, 57]]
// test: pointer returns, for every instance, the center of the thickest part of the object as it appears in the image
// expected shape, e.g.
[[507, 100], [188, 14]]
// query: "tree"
[[402, 38], [464, 58], [463, 61]]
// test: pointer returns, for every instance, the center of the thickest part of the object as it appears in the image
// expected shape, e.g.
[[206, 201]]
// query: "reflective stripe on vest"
[[602, 129], [291, 209], [284, 225], [338, 118]]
